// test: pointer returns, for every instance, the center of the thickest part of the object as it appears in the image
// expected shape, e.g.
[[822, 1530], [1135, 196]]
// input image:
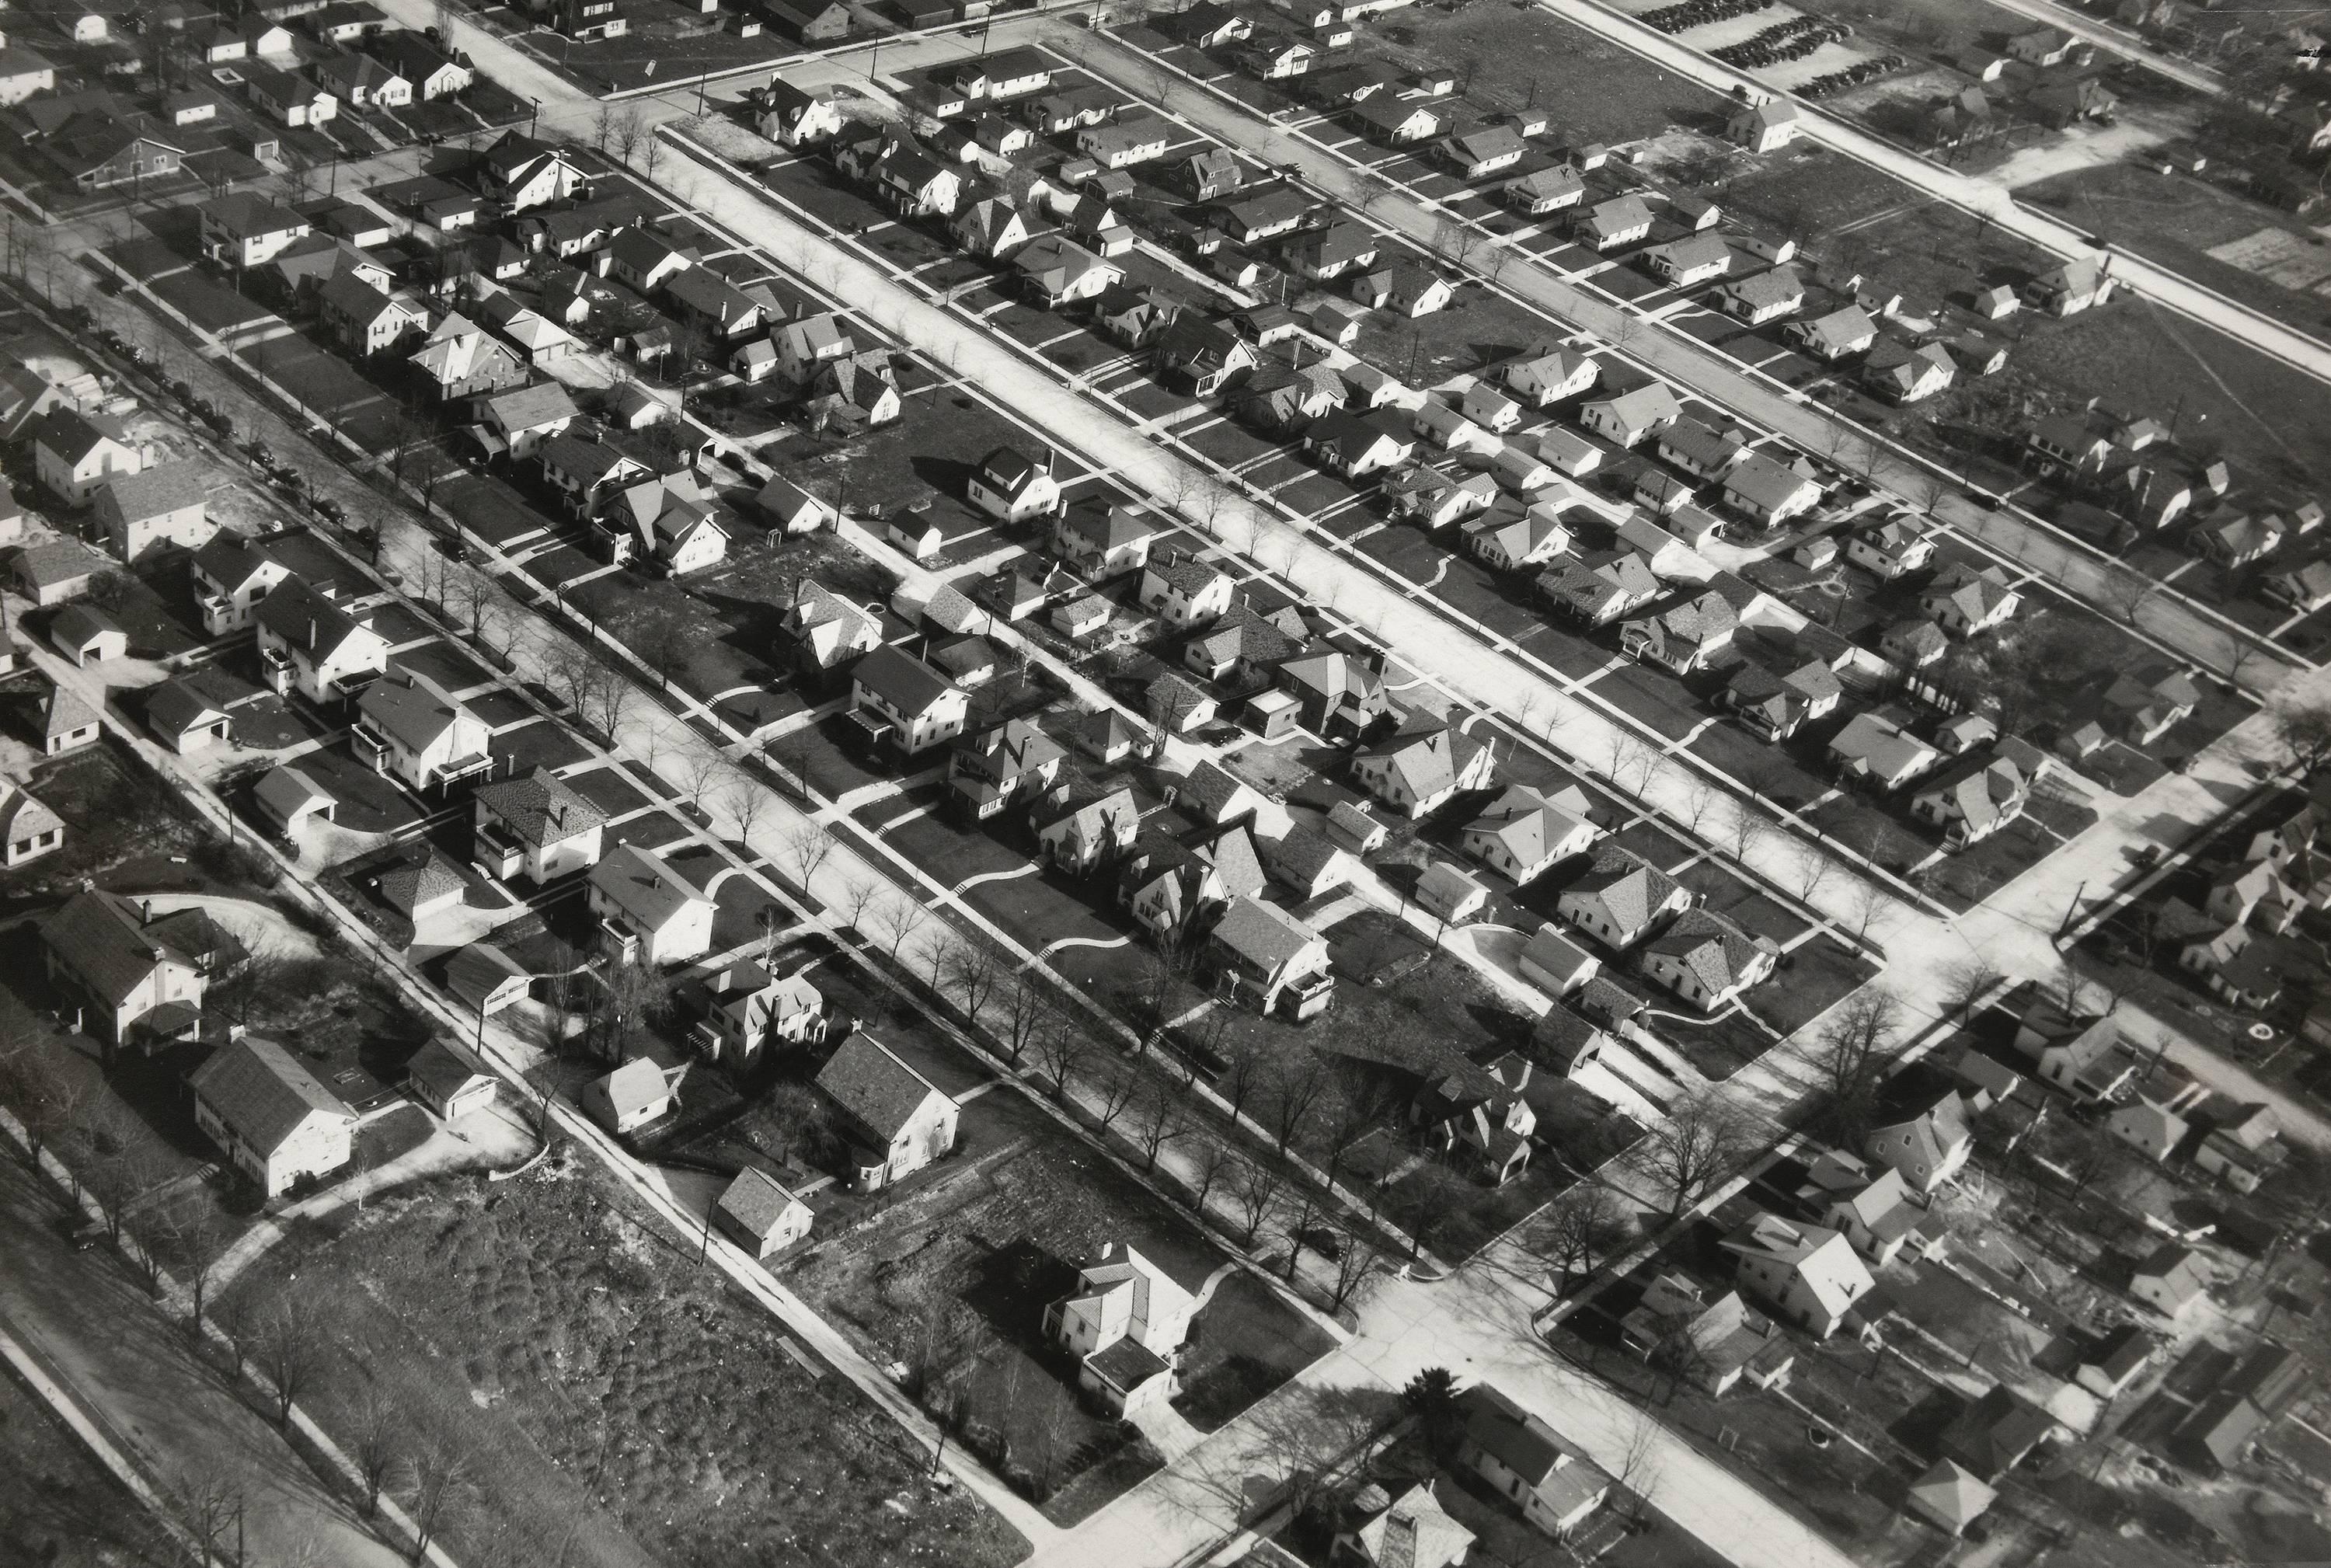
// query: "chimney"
[[145, 911], [313, 632]]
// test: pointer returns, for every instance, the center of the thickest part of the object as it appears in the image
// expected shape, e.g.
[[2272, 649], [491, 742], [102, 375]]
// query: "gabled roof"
[[1630, 886], [757, 1203], [648, 890], [874, 1085], [540, 807], [411, 707], [1427, 761], [263, 1093], [1717, 951], [902, 679], [1263, 934], [72, 436]]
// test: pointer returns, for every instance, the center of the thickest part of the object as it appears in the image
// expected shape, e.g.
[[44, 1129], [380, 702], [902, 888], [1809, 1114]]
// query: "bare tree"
[[974, 969], [1848, 1059], [287, 1351], [746, 802], [1580, 1229], [1029, 1009], [1748, 828], [1159, 1119], [896, 921], [1255, 1187], [1814, 868], [626, 133], [205, 1504], [2128, 592], [1356, 1260], [1295, 1089], [1697, 797], [807, 845], [1863, 907], [374, 1445], [1209, 1165], [1965, 981], [1061, 1047], [1639, 1466], [1688, 1156], [1114, 1094], [440, 1484], [2304, 728]]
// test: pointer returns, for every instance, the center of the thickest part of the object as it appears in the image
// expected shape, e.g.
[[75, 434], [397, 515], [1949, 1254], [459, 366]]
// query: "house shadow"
[[1011, 1285], [1920, 1426]]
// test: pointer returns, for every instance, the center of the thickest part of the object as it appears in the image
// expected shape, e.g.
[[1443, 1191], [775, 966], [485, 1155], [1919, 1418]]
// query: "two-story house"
[[647, 913], [413, 729], [1125, 1322], [74, 453], [535, 825], [895, 1120], [901, 704], [274, 1119], [129, 976], [1005, 763], [307, 643], [1806, 1273]]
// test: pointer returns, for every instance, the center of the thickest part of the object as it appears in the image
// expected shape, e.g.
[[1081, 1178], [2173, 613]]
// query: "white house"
[[647, 912], [276, 1121]]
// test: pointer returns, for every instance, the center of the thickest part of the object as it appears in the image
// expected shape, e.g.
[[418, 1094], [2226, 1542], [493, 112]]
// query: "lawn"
[[617, 1404], [58, 1506], [1244, 1343]]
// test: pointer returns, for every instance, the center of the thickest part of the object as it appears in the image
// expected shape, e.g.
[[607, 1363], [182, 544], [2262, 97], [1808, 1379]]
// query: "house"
[[1475, 155], [22, 73], [2113, 1362], [1964, 601], [1973, 799], [1716, 1344], [2041, 46], [2234, 542], [419, 61], [1621, 898], [1002, 763], [1613, 224], [447, 1084], [1337, 693], [2242, 1149], [87, 635], [524, 418], [1331, 251], [346, 21], [364, 321], [130, 975], [1125, 1322], [1506, 543], [1520, 1458], [2084, 1056], [1356, 445], [1875, 750], [1013, 486], [2070, 289], [2149, 1127], [1890, 546], [791, 509], [1630, 416], [647, 913], [75, 454], [1708, 960], [1267, 955], [1209, 173], [665, 521], [726, 311], [1081, 836], [895, 1120], [1995, 1433], [534, 825], [156, 507], [1104, 541], [1877, 1211], [1542, 379], [409, 727], [760, 1214], [630, 1098], [306, 640], [741, 1009], [1449, 895], [1412, 1531], [1765, 126], [287, 98], [538, 338], [1693, 260], [1684, 638], [520, 173], [796, 117], [812, 21], [247, 229], [1184, 592], [899, 702], [855, 392], [28, 829], [1244, 645], [1277, 58], [2218, 1433], [457, 359], [1548, 190], [1522, 832], [1902, 374], [361, 82], [1926, 1150], [1407, 289], [1282, 398], [1555, 963], [67, 723], [1137, 138], [1599, 588], [1776, 705], [1766, 297], [2304, 589], [1808, 1275], [276, 1122]]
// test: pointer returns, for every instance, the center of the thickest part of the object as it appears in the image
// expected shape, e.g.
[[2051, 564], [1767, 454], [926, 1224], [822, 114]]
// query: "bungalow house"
[[1973, 799], [67, 723], [306, 642], [1845, 331], [1765, 126], [760, 1214], [1630, 416], [1598, 589], [1708, 960], [1264, 954], [808, 344], [75, 454], [1715, 1342], [1244, 646], [1055, 270], [1926, 1150], [1410, 1531], [1873, 749], [1475, 155], [2041, 46], [703, 295], [647, 913], [2235, 542], [362, 82], [1407, 290], [1265, 214], [1541, 380], [534, 825], [164, 505], [1766, 297], [1449, 895], [1505, 543], [1692, 259], [521, 419], [895, 1120], [1002, 763], [1356, 445], [1337, 693], [901, 704], [1082, 836], [813, 20], [1808, 1275], [1177, 705], [2070, 289], [2149, 1127], [1331, 251], [1548, 190], [276, 1121], [1206, 355], [630, 1098], [1523, 833], [1891, 547], [410, 727], [2084, 1056], [287, 98], [1684, 638], [2148, 711], [796, 117], [1613, 224], [1879, 1214], [1901, 374], [418, 59], [1284, 398], [586, 471], [665, 521], [827, 630], [2242, 1149], [459, 359], [1137, 138], [1621, 898], [2113, 1362], [1995, 1433], [1521, 1458], [1964, 601], [520, 173], [1125, 1323]]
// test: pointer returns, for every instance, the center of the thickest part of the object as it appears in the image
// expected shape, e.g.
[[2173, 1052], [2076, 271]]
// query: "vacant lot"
[[617, 1404], [1512, 56]]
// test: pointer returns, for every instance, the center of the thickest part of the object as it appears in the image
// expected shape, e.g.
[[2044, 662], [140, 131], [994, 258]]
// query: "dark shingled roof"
[[263, 1093], [867, 1080]]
